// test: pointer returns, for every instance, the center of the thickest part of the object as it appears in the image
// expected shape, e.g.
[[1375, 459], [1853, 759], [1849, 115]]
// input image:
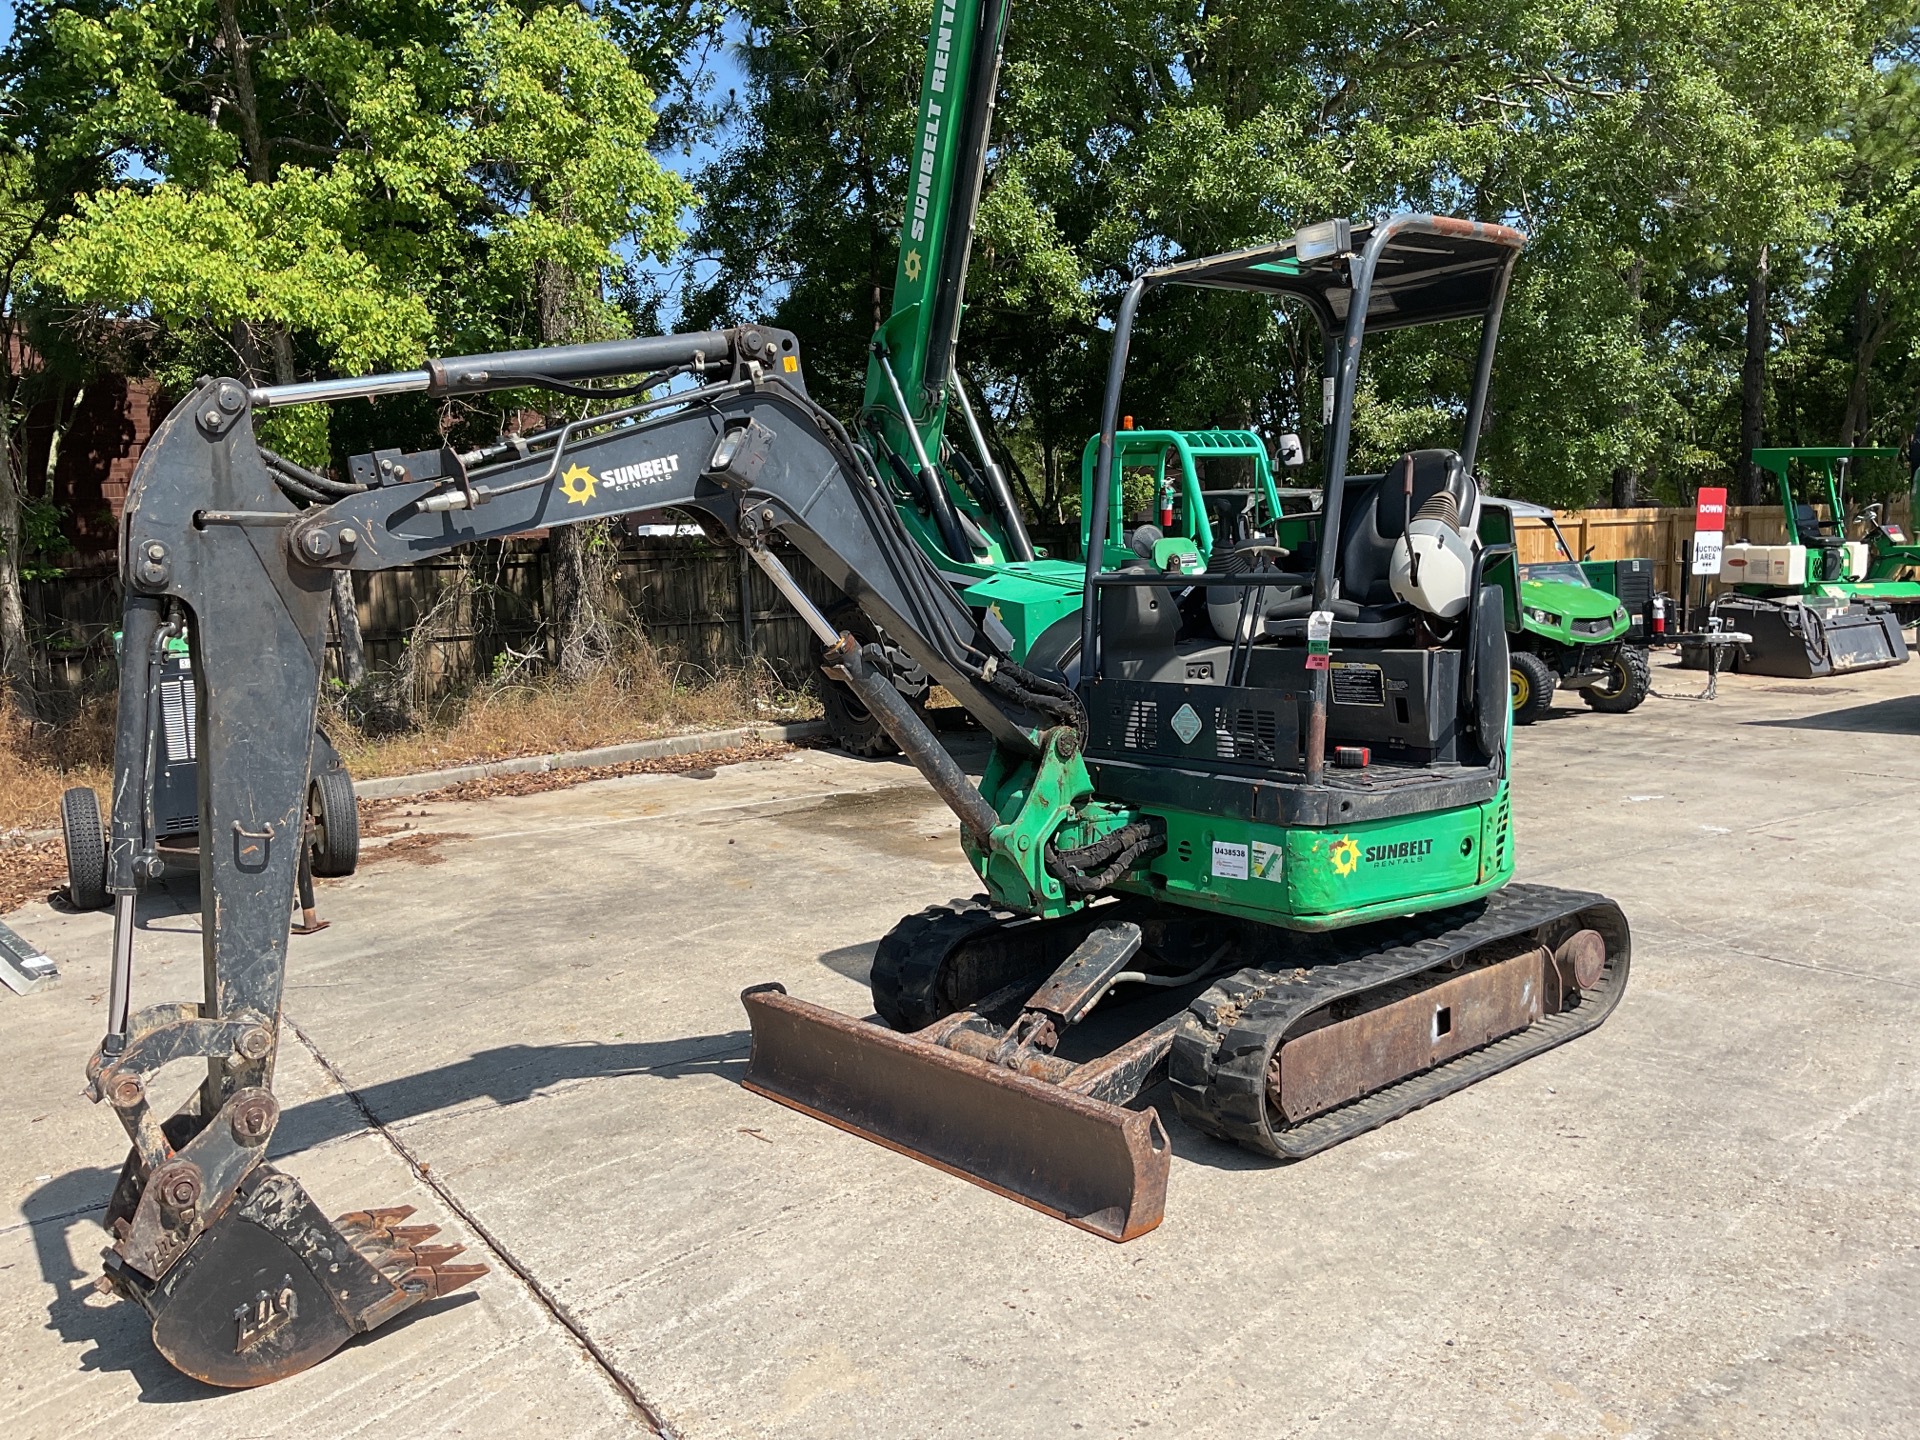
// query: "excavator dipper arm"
[[245, 1279]]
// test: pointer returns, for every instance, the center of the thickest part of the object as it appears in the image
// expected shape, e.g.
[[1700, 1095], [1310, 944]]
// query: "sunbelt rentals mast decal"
[[930, 136]]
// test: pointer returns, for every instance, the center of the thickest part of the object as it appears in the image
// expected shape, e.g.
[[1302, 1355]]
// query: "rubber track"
[[1218, 1066], [905, 978]]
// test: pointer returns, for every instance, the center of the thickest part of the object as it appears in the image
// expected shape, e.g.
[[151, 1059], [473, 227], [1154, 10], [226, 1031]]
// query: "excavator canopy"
[[1430, 268]]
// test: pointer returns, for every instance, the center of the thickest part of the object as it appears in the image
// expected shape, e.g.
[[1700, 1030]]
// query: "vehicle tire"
[[1532, 683], [86, 842], [336, 822], [1629, 677], [855, 729]]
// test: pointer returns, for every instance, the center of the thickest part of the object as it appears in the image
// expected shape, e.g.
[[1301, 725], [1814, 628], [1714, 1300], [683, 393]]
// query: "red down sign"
[[1710, 509]]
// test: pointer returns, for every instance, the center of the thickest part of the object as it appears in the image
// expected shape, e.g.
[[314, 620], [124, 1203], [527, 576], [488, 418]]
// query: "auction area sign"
[[1709, 527]]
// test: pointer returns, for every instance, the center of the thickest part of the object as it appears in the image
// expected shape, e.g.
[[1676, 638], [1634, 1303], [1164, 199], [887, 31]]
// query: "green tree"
[[1655, 149], [343, 185]]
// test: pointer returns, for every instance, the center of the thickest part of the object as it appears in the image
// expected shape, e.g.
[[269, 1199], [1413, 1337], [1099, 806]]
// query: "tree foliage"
[[341, 185], [1654, 149], [345, 184]]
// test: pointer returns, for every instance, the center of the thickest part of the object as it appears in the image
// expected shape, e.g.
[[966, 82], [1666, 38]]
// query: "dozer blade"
[[273, 1287], [1099, 1166]]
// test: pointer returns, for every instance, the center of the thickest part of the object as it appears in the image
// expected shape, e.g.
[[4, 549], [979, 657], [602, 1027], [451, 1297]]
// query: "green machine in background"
[[953, 498], [1819, 603], [1190, 518], [1563, 631]]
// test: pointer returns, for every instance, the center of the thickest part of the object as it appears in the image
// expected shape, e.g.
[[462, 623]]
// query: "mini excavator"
[[1273, 792]]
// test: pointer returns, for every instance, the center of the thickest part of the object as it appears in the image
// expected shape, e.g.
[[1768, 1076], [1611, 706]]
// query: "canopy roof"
[[1430, 268]]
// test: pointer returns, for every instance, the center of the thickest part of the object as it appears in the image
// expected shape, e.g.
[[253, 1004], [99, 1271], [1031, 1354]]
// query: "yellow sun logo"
[[577, 485], [913, 265], [1346, 856]]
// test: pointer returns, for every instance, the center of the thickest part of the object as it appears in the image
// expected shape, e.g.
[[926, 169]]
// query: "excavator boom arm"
[[239, 547]]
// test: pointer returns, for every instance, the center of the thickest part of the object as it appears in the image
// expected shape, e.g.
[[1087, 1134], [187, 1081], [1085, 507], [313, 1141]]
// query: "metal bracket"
[[24, 967], [229, 404]]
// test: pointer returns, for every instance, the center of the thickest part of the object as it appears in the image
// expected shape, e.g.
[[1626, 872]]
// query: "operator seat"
[[1373, 523], [1367, 537], [1826, 544]]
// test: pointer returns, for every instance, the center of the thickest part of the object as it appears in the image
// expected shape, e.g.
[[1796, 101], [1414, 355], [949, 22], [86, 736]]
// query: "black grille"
[[1633, 583], [1143, 726], [1593, 627], [1245, 734]]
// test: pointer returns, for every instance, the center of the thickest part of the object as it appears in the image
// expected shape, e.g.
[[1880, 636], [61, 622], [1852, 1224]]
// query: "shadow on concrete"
[[853, 961], [119, 1335], [508, 1075], [1898, 716]]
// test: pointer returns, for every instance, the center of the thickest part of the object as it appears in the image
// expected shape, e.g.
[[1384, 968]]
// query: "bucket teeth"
[[445, 1279], [373, 1219], [399, 1252]]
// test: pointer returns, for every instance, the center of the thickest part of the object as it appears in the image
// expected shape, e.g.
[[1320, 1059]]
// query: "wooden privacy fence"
[[699, 603], [1663, 535]]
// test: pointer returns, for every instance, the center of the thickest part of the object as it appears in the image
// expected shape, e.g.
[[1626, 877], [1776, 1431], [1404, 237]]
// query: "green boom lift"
[[955, 500]]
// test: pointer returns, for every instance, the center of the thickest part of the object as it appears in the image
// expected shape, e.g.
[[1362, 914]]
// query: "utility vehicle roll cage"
[[1404, 271]]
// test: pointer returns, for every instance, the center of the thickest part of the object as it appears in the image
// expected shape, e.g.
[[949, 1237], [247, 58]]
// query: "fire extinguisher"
[[1166, 503], [1659, 614]]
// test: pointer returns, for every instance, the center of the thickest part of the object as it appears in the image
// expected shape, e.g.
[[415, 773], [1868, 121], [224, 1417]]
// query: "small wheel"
[[855, 728], [86, 842], [1532, 681], [1629, 677], [336, 822]]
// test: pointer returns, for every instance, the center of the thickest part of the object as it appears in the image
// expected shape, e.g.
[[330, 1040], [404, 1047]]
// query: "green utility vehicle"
[[1563, 632], [1818, 603]]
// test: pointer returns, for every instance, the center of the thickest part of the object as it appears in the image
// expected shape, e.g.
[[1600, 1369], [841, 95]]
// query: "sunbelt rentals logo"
[[1347, 853]]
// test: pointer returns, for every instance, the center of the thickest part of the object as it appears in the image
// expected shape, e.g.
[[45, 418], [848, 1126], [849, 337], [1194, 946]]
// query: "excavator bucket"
[[272, 1286], [1096, 1165]]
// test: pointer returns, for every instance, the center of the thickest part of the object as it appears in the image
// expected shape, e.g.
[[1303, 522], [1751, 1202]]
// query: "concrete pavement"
[[1699, 1221]]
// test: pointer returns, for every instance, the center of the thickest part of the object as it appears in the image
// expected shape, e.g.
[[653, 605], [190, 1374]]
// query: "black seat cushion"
[[1812, 531], [1369, 530]]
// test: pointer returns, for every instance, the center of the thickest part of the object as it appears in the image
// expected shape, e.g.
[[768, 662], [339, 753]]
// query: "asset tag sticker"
[[1186, 724], [1229, 861], [1268, 861], [1319, 639]]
